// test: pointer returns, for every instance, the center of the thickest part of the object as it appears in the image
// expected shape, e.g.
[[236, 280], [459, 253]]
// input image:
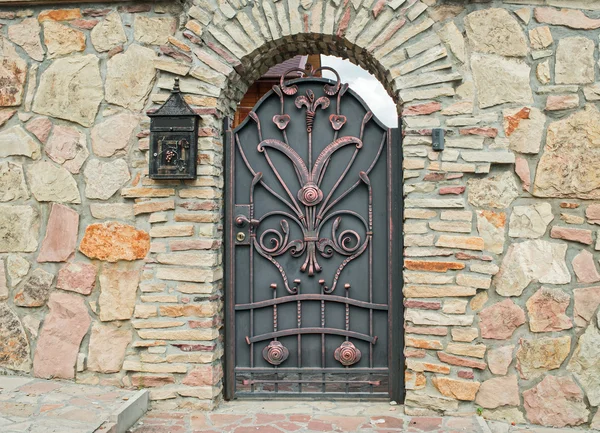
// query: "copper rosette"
[[275, 353], [347, 354]]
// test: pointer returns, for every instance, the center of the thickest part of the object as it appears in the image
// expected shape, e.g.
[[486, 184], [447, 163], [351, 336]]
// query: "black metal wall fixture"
[[313, 247], [173, 139]]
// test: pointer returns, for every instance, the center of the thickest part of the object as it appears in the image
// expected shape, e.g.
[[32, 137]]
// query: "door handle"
[[242, 220]]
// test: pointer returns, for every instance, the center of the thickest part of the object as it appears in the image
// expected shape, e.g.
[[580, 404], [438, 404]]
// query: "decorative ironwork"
[[347, 354], [275, 353], [307, 209], [304, 203]]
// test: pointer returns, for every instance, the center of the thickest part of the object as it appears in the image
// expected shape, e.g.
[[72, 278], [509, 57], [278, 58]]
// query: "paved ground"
[[301, 417], [42, 406], [324, 416]]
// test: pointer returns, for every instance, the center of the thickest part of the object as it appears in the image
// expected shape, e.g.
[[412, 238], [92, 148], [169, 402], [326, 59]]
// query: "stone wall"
[[109, 277]]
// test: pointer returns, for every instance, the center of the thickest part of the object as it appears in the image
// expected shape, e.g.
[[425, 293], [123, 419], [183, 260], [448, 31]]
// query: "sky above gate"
[[366, 85]]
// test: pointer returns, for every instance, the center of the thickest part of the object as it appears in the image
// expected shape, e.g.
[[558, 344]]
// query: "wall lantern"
[[173, 139]]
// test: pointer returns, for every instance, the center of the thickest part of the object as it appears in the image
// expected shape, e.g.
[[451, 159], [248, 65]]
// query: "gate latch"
[[242, 224]]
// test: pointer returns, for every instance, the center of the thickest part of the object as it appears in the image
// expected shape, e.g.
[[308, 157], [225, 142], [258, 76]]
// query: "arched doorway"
[[313, 246]]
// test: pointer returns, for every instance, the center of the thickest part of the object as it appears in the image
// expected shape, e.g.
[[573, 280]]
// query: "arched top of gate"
[[394, 40], [332, 89]]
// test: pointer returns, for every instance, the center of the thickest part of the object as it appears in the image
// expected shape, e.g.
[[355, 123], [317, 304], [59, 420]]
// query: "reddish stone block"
[[77, 277], [561, 102], [192, 37], [499, 321], [422, 265], [85, 24], [464, 374], [592, 213], [387, 33], [208, 323], [172, 52], [423, 305], [116, 50], [59, 15], [486, 132], [343, 24], [378, 7], [512, 122], [58, 345], [467, 256], [566, 205], [463, 362], [207, 112], [434, 177], [195, 347], [224, 54], [422, 109], [114, 241], [61, 235], [452, 190], [94, 12], [204, 375], [522, 170], [571, 234]]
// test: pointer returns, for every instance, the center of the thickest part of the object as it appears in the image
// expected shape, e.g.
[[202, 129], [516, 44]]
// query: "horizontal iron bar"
[[297, 331], [326, 382], [358, 396], [379, 370], [311, 297]]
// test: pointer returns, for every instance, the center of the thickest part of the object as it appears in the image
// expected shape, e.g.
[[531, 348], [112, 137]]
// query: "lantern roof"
[[175, 105]]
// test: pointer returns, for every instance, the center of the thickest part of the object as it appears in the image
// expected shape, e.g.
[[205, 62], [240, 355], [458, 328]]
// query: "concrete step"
[[127, 414]]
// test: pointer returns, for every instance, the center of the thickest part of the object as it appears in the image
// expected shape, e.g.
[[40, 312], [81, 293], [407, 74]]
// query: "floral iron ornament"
[[347, 354], [310, 208], [275, 353]]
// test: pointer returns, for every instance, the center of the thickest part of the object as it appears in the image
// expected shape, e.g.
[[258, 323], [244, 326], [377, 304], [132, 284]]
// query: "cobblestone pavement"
[[301, 417], [42, 406]]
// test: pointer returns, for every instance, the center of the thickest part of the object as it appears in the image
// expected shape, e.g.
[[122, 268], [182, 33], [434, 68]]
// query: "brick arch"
[[394, 41]]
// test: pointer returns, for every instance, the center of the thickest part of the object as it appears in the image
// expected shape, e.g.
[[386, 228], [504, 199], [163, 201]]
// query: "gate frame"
[[395, 171]]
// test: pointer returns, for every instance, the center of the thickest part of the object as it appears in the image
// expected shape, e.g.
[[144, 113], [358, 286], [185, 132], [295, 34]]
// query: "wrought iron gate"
[[313, 294]]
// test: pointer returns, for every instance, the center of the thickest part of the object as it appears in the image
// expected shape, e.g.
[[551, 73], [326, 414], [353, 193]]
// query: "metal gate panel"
[[313, 294]]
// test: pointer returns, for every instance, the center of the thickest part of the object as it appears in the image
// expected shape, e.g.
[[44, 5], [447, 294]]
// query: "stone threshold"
[[56, 406], [304, 416]]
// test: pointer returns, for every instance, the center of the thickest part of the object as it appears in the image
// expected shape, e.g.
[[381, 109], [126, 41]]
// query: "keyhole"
[[240, 237]]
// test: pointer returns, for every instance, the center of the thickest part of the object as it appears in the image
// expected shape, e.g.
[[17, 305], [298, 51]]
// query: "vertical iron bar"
[[299, 313], [395, 252], [229, 264], [370, 275], [323, 339], [274, 287], [347, 287], [251, 281]]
